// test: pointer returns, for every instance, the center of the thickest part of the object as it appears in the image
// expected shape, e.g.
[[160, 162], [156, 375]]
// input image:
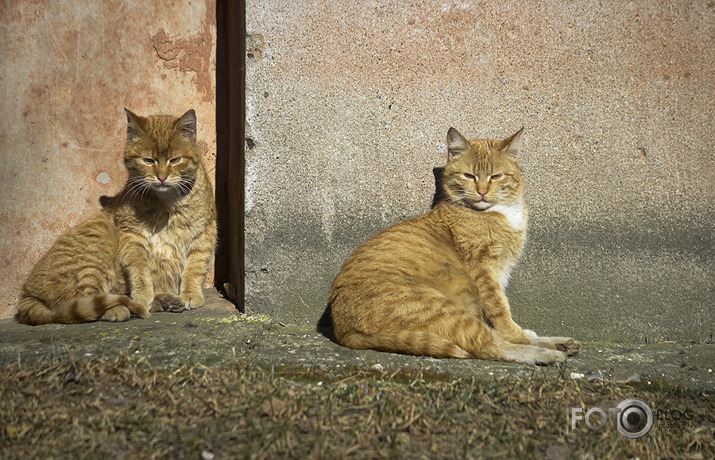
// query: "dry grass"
[[125, 408]]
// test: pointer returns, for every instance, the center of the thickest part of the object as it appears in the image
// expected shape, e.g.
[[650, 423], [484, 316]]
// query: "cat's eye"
[[149, 161], [496, 176], [468, 176], [175, 160]]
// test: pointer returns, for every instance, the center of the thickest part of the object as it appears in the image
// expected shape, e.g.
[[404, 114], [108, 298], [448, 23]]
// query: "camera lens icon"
[[635, 418]]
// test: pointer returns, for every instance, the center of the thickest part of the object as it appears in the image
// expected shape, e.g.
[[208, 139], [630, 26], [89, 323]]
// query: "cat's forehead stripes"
[[483, 154], [157, 135], [160, 130]]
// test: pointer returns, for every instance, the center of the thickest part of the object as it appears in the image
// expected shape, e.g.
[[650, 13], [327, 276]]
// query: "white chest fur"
[[515, 214]]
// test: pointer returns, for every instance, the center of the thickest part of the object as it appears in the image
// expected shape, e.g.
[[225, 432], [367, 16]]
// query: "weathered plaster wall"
[[348, 105], [67, 70]]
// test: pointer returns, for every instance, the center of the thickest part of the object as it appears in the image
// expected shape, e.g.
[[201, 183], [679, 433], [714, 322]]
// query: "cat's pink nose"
[[161, 179]]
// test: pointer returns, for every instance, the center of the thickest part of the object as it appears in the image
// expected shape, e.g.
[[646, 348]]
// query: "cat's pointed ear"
[[456, 143], [512, 144], [186, 125], [134, 124]]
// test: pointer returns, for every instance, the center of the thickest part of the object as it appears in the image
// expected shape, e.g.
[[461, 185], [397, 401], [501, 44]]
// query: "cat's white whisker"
[[132, 188]]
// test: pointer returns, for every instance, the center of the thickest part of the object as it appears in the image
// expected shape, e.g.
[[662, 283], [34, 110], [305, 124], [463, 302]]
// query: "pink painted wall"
[[67, 70]]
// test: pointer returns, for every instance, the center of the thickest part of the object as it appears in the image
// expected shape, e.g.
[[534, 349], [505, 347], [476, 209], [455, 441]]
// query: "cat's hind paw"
[[168, 302], [132, 307], [115, 314]]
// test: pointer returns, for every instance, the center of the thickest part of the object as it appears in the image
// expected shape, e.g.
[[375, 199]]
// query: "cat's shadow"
[[325, 323], [439, 193]]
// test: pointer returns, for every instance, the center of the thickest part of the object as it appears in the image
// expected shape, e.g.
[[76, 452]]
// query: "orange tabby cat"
[[149, 250], [434, 285]]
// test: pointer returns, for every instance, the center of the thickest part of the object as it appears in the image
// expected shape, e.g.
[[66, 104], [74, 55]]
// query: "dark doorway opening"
[[230, 128]]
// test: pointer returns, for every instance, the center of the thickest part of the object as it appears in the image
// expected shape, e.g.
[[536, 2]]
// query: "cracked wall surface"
[[68, 70], [348, 105]]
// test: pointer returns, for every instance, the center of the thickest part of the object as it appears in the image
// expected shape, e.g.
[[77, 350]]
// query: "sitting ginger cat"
[[434, 285], [149, 250]]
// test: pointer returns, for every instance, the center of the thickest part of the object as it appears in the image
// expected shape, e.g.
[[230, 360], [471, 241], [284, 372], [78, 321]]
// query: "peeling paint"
[[103, 178], [191, 54]]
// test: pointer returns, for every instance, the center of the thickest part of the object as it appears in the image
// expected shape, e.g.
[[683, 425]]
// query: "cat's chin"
[[482, 205], [162, 188]]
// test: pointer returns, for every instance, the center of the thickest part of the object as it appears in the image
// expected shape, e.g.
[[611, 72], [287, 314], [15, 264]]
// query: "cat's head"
[[161, 154], [481, 173]]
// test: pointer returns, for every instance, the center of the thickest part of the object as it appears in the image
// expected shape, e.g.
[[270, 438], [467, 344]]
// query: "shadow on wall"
[[439, 193]]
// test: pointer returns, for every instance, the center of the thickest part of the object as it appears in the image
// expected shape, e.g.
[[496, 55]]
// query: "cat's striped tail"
[[34, 311], [419, 343]]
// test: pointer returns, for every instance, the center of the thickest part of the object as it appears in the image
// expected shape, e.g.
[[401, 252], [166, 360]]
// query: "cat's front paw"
[[563, 344], [192, 299], [530, 334], [510, 329], [146, 300], [568, 346], [168, 302], [545, 357]]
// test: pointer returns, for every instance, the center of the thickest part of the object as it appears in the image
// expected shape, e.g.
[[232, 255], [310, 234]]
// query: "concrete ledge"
[[217, 335]]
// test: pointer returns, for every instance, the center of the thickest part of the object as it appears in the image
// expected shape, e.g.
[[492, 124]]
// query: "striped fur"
[[434, 285], [148, 250], [110, 307]]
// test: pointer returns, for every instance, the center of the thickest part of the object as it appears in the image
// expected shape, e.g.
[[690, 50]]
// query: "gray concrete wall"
[[67, 70], [348, 105]]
